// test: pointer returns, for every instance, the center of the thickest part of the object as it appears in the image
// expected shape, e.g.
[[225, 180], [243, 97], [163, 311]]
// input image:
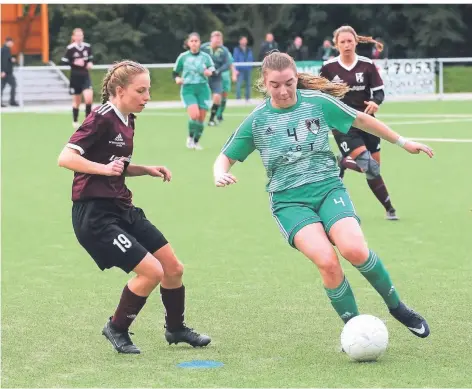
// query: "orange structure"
[[28, 25]]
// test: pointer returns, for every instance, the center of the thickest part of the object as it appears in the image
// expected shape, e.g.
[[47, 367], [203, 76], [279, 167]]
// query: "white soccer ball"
[[364, 338]]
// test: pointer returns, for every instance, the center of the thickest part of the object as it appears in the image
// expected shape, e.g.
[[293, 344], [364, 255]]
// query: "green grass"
[[457, 79], [261, 301], [163, 88]]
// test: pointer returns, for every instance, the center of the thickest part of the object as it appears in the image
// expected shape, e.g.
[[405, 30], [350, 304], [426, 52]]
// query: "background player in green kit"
[[308, 200], [220, 56], [191, 71], [227, 78]]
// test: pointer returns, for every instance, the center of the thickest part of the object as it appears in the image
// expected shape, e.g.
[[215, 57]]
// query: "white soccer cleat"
[[391, 215], [198, 147], [190, 143], [75, 125]]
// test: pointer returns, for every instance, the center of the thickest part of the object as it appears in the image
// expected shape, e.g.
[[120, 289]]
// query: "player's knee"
[[368, 164], [355, 252], [175, 271], [154, 276], [330, 269]]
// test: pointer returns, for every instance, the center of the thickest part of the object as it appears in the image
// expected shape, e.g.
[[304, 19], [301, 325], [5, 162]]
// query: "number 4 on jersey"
[[340, 201]]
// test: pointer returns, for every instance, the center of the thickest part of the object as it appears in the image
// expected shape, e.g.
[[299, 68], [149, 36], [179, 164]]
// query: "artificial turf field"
[[260, 300]]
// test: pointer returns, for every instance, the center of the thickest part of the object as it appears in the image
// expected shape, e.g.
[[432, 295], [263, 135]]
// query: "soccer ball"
[[364, 338]]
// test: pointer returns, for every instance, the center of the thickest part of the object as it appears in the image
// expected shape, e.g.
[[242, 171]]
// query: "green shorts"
[[199, 94], [226, 82], [323, 202]]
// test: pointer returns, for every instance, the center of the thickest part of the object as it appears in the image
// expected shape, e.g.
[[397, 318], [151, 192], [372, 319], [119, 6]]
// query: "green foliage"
[[154, 33]]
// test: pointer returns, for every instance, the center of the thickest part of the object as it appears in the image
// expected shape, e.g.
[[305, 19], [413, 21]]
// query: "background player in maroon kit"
[[112, 230], [79, 56], [360, 150]]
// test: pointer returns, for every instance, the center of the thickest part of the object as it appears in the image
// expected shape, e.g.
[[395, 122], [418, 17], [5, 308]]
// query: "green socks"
[[343, 301], [192, 127], [198, 132], [221, 108], [374, 271]]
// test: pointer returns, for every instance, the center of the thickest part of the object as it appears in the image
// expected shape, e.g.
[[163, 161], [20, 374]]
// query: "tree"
[[257, 19]]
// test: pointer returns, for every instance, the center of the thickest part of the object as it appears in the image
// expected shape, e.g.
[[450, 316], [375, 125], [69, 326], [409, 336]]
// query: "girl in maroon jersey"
[[360, 150], [113, 231], [79, 56]]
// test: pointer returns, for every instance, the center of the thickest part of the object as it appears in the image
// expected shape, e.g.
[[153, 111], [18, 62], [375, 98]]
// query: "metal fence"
[[401, 76]]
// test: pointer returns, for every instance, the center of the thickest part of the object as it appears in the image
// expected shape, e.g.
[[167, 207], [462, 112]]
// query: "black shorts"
[[78, 83], [354, 139], [114, 236]]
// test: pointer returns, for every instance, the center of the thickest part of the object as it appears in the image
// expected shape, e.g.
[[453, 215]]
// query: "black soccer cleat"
[[187, 335], [219, 118], [120, 339], [411, 320]]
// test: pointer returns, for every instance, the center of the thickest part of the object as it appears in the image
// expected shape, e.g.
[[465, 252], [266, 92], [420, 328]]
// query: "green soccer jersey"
[[293, 142], [192, 66], [226, 74], [220, 56]]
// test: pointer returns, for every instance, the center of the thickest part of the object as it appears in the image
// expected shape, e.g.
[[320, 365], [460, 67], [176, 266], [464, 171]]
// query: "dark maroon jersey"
[[104, 136], [362, 76], [75, 51]]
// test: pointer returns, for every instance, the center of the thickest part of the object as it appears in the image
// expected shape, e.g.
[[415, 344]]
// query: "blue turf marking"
[[200, 364]]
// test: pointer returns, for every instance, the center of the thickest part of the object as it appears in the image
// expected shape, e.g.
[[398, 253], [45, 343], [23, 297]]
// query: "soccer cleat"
[[220, 118], [187, 335], [342, 169], [198, 146], [120, 339], [212, 123], [391, 214], [190, 143], [75, 125], [411, 320]]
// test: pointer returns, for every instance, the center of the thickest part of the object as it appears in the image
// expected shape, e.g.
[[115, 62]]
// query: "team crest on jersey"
[[313, 125], [360, 77]]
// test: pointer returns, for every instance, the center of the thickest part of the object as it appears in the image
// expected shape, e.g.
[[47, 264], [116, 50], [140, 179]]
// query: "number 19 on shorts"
[[122, 242]]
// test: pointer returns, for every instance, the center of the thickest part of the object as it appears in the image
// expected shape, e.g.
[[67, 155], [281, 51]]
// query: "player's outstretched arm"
[[72, 160], [153, 171], [376, 127], [221, 168]]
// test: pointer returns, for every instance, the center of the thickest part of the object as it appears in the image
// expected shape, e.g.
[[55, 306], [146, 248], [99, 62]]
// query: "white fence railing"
[[401, 76]]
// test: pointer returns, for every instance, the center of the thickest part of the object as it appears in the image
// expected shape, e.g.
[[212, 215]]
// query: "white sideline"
[[59, 107]]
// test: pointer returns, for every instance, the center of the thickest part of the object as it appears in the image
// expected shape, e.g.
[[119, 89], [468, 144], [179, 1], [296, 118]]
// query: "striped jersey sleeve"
[[241, 143], [337, 114]]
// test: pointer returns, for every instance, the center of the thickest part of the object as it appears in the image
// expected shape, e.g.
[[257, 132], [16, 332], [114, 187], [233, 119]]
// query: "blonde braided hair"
[[120, 74]]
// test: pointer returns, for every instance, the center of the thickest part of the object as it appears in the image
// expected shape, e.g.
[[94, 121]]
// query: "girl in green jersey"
[[308, 200]]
